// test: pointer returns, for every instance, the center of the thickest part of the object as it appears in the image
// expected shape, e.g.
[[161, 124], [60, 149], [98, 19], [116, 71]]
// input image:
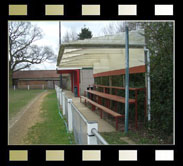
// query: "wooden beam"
[[132, 70]]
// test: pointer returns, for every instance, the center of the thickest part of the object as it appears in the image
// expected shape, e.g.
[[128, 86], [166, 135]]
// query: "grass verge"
[[140, 137], [113, 137], [20, 98], [52, 129]]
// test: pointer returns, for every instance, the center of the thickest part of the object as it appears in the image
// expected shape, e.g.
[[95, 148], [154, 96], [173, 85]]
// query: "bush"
[[159, 37]]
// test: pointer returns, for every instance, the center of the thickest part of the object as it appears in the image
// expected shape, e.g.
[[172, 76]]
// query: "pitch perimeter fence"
[[29, 87], [85, 132]]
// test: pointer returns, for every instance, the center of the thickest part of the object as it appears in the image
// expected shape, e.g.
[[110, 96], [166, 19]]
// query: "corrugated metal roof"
[[103, 53]]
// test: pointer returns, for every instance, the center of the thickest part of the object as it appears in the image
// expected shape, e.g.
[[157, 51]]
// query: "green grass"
[[141, 136], [51, 130], [20, 98], [113, 137]]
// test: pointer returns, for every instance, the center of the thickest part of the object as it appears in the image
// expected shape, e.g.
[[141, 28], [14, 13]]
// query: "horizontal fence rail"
[[100, 139], [32, 86], [85, 132]]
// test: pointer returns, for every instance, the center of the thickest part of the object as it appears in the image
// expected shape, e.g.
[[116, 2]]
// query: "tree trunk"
[[10, 77]]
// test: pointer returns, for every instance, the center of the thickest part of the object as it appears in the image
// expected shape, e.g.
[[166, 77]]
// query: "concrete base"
[[103, 126]]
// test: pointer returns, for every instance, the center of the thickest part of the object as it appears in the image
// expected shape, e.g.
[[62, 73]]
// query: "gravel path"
[[23, 120]]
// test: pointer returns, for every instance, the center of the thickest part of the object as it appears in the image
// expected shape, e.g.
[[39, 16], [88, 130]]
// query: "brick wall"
[[31, 82]]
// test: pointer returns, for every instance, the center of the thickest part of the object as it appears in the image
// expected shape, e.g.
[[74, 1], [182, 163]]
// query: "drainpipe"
[[73, 80], [126, 78], [78, 80], [148, 84]]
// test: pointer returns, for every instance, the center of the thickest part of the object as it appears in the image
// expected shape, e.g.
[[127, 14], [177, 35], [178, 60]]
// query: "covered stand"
[[104, 55]]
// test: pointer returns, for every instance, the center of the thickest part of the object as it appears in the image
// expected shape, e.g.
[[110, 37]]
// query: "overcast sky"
[[51, 35]]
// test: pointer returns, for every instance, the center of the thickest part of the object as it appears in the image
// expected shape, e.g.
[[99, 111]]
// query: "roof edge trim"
[[102, 45], [68, 68], [60, 54]]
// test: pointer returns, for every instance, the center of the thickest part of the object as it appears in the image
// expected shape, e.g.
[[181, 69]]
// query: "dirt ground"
[[26, 118]]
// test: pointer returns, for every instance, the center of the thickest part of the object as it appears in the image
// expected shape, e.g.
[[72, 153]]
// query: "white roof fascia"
[[68, 68]]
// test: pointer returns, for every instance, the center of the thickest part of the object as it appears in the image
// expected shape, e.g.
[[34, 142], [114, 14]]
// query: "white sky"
[[51, 35]]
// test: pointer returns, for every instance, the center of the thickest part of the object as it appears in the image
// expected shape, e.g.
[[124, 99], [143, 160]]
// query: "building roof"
[[105, 53], [136, 39], [35, 74]]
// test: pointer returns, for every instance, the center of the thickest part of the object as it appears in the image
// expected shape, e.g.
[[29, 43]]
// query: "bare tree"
[[22, 50], [66, 37], [70, 36], [110, 29], [73, 35], [118, 27]]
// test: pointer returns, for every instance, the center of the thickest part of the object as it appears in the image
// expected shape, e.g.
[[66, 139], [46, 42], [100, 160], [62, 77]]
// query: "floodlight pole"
[[126, 78], [59, 33], [148, 84], [59, 47]]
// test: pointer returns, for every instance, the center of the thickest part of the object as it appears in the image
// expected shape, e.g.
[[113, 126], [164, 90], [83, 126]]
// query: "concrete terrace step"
[[103, 126]]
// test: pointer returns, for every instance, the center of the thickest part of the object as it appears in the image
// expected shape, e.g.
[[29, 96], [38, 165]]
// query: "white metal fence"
[[28, 87], [79, 126], [66, 107], [85, 132]]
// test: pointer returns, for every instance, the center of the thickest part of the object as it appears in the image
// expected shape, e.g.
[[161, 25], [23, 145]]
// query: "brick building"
[[38, 79]]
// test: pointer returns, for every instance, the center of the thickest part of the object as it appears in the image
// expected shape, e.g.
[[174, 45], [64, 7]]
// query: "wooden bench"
[[133, 100], [117, 87], [102, 108]]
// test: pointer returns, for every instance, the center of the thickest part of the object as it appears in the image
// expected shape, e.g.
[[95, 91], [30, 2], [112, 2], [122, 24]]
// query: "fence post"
[[63, 102], [92, 140], [60, 96], [57, 93], [70, 126]]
